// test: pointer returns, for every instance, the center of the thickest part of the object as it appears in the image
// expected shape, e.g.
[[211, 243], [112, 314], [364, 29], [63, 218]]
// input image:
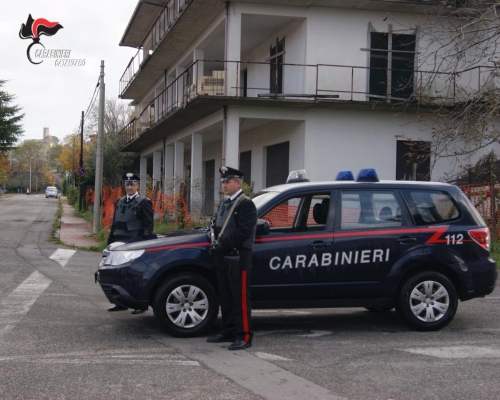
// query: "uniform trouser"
[[234, 297]]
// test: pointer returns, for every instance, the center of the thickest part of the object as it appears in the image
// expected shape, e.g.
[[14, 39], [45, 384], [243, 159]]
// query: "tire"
[[186, 305], [428, 301], [379, 309]]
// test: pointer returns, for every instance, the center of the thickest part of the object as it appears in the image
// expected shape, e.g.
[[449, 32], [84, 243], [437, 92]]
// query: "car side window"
[[299, 214], [431, 207], [365, 209]]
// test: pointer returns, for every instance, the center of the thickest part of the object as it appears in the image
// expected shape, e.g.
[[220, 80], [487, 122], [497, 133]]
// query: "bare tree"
[[459, 92]]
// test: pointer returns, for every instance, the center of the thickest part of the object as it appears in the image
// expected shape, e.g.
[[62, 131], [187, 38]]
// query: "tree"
[[459, 52], [10, 128], [31, 155], [116, 116], [4, 170], [457, 83]]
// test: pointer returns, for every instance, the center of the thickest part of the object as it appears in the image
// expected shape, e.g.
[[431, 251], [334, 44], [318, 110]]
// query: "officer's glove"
[[215, 249]]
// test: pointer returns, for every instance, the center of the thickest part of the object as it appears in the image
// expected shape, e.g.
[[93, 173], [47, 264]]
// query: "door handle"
[[406, 240], [317, 245]]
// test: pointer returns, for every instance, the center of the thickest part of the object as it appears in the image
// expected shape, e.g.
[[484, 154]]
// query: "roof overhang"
[[141, 22]]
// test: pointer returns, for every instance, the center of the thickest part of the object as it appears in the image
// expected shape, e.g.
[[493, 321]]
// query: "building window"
[[277, 164], [276, 59], [246, 166], [392, 62], [413, 160]]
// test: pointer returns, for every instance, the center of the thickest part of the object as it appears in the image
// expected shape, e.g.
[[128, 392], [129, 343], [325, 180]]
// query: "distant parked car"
[[51, 191]]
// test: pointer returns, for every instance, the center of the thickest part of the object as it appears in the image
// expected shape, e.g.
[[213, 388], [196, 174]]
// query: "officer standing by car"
[[133, 219], [235, 227]]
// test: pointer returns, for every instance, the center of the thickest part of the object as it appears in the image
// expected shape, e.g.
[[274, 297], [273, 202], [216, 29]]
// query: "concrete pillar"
[[143, 174], [168, 163], [156, 169], [199, 70], [196, 175], [233, 50], [178, 164], [180, 98], [231, 151]]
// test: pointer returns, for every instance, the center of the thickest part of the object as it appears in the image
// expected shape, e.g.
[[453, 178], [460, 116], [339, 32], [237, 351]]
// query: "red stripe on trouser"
[[244, 309]]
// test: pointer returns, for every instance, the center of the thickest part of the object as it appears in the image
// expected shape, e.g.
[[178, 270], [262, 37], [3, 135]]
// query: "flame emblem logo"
[[33, 29]]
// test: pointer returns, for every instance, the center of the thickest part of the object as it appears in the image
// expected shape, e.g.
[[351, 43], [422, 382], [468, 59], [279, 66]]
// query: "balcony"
[[162, 45], [202, 90]]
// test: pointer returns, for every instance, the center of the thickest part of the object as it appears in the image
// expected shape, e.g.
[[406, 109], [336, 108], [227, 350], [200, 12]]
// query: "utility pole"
[[81, 163], [98, 162]]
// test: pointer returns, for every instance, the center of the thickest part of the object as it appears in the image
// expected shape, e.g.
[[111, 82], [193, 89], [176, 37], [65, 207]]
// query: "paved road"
[[59, 342]]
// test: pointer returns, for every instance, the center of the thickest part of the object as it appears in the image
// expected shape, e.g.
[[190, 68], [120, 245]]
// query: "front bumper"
[[119, 296]]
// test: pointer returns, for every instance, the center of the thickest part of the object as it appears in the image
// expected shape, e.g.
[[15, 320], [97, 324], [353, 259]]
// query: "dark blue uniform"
[[233, 280]]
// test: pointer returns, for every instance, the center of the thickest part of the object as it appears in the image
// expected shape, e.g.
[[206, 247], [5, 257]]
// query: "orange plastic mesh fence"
[[481, 196]]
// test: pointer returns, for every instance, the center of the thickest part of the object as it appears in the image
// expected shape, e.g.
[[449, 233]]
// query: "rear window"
[[429, 207]]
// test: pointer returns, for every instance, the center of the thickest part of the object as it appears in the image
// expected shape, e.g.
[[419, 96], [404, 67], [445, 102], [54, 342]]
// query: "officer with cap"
[[235, 227], [133, 219]]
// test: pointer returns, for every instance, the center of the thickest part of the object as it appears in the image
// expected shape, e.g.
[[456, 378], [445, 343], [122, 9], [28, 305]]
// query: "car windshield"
[[262, 198]]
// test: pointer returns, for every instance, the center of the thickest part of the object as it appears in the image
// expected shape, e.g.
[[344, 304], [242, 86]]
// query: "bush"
[[73, 194]]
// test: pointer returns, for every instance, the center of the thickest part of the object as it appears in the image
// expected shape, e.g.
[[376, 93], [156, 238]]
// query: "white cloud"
[[55, 97]]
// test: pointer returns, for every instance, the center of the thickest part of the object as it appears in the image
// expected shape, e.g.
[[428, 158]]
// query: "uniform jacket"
[[239, 233], [131, 220]]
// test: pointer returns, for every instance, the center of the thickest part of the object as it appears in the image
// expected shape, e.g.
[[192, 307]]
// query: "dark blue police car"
[[418, 247]]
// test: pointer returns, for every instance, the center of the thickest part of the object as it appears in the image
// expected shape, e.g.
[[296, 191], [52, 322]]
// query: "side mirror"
[[262, 227]]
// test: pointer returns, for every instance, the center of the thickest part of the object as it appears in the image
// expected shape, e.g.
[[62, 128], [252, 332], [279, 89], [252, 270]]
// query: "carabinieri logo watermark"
[[34, 29]]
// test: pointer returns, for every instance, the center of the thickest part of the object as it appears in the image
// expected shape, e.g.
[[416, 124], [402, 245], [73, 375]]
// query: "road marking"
[[271, 357], [457, 352], [317, 334], [247, 369], [107, 357], [62, 256], [17, 304]]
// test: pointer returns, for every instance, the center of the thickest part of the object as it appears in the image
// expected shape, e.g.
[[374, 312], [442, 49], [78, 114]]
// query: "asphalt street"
[[59, 342]]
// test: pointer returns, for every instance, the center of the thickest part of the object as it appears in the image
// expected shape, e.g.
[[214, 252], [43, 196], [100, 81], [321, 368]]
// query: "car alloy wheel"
[[428, 301], [185, 305]]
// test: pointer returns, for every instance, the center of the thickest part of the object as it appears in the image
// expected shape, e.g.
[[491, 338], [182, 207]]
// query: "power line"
[[92, 101]]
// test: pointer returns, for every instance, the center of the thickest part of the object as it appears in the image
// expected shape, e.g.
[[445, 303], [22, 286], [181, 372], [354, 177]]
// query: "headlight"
[[122, 257]]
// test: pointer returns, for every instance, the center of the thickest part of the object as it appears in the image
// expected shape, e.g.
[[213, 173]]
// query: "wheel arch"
[[438, 267], [169, 273]]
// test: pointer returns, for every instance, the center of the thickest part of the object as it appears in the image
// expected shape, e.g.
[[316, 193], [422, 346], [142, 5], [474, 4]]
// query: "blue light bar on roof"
[[345, 176], [367, 175]]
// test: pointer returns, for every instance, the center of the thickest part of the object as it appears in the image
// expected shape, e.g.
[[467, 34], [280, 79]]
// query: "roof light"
[[345, 176], [367, 175], [299, 175]]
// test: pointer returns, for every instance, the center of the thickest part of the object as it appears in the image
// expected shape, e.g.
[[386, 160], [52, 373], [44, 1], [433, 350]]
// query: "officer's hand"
[[215, 249]]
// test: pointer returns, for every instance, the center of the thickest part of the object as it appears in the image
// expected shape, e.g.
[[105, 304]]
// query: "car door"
[[372, 231], [293, 262]]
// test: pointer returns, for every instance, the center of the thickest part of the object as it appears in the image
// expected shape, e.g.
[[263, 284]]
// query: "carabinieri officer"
[[233, 260], [133, 219]]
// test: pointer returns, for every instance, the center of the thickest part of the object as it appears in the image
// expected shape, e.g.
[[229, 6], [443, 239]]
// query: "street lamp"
[[30, 175]]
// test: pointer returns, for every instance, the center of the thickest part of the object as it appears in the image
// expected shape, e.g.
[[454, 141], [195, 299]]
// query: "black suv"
[[418, 247]]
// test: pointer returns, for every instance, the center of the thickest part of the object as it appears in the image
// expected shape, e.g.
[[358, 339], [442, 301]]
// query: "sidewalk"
[[74, 231]]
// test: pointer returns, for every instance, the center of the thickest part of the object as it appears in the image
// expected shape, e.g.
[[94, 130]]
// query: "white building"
[[269, 86]]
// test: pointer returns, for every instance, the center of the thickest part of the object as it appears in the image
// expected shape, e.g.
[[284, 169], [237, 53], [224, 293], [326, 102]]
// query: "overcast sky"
[[55, 97]]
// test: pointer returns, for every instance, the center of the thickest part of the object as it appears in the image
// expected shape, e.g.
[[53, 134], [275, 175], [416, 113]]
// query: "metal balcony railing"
[[311, 83], [168, 15]]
